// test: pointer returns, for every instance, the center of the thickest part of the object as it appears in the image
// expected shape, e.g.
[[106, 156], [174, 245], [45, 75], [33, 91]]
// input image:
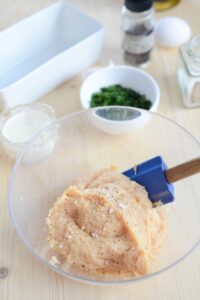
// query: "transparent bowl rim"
[[75, 277]]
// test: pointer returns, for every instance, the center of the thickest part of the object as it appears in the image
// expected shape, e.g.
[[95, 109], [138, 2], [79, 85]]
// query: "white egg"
[[172, 32]]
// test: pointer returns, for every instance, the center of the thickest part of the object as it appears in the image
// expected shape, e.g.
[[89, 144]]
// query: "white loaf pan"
[[40, 52]]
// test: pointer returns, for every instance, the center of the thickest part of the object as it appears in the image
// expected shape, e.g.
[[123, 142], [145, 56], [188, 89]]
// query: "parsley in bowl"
[[119, 95], [122, 86]]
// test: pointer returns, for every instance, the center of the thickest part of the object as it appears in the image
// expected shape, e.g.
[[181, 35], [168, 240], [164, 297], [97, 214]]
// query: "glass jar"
[[189, 72], [34, 117], [138, 31]]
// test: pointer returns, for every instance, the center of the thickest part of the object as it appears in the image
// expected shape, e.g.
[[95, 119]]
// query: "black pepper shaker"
[[138, 30]]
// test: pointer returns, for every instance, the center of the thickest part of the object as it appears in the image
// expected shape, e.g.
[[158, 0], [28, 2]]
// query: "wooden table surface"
[[27, 277]]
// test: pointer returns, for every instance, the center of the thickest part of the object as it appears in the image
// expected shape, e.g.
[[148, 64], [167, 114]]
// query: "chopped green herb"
[[119, 95]]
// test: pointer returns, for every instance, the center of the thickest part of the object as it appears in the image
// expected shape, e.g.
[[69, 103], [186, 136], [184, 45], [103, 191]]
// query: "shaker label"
[[138, 44]]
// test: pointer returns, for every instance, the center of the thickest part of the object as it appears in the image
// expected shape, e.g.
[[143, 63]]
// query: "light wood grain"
[[28, 279]]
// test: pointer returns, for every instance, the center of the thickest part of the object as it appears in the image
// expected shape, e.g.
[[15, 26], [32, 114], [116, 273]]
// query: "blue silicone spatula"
[[158, 180]]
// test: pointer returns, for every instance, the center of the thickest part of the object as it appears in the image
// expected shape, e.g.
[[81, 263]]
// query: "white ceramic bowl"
[[51, 46], [126, 76], [118, 120]]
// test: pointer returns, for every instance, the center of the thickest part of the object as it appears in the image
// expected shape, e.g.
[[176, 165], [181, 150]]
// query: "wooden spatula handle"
[[184, 170]]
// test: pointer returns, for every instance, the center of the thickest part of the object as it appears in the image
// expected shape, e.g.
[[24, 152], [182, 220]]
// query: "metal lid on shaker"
[[138, 5]]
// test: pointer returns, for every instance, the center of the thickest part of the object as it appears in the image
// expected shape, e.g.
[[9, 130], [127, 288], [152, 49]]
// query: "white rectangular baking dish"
[[40, 52]]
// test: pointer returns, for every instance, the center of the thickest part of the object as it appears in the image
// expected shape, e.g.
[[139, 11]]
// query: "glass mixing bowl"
[[81, 148]]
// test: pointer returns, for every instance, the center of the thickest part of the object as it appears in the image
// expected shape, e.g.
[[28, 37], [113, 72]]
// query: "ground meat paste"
[[104, 224]]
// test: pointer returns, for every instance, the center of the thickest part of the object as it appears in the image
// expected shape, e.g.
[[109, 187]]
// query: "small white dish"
[[118, 120], [126, 76], [39, 53]]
